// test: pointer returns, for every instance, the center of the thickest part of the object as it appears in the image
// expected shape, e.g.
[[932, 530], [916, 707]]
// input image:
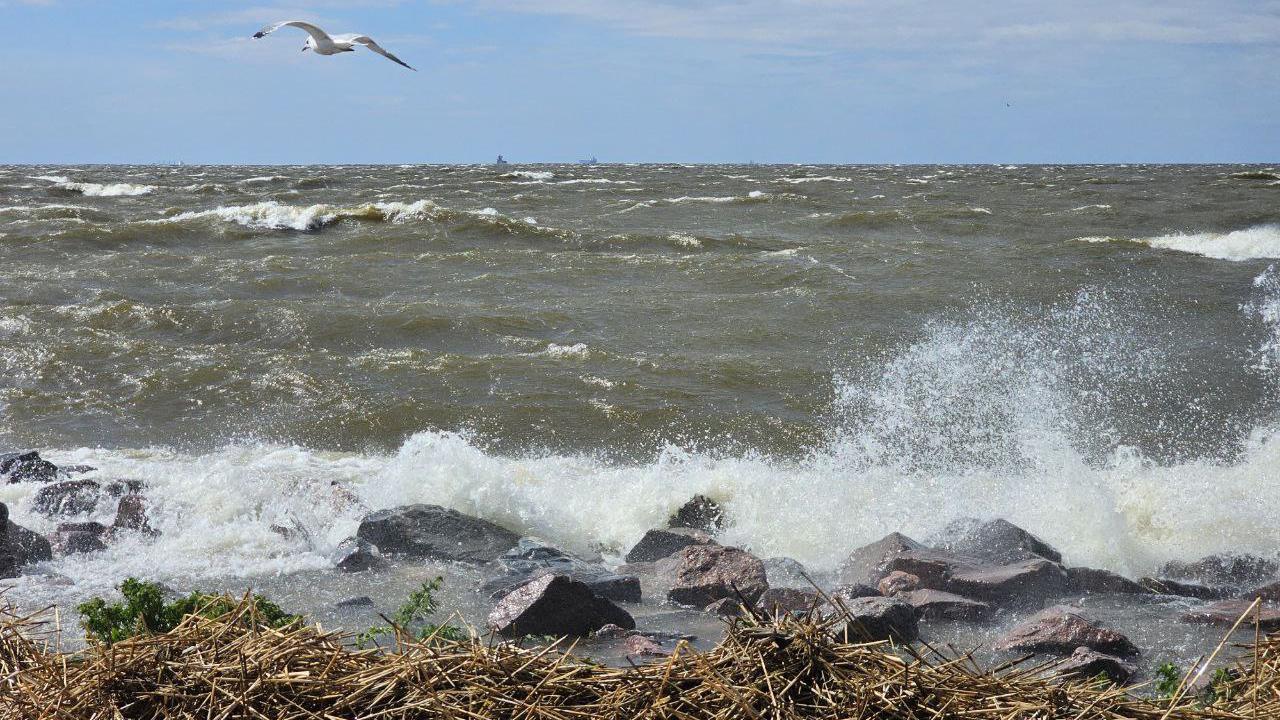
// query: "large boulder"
[[79, 537], [356, 555], [532, 558], [659, 544], [1092, 581], [1060, 631], [26, 467], [1227, 570], [994, 541], [880, 618], [866, 564], [700, 513], [897, 582], [701, 574], [555, 605], [131, 514], [431, 531], [67, 498], [789, 601], [19, 546], [1227, 612], [1086, 664], [1199, 591], [939, 605], [1022, 583]]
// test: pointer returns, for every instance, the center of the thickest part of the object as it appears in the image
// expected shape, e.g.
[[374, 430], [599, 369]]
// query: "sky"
[[830, 81]]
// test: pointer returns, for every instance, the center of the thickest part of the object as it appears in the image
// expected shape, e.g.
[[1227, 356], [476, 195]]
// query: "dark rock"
[[897, 582], [26, 467], [431, 531], [854, 591], [355, 602], [74, 538], [613, 632], [641, 646], [701, 574], [1227, 612], [785, 572], [659, 544], [120, 488], [1086, 664], [555, 605], [66, 498], [865, 565], [531, 558], [700, 513], [939, 605], [1091, 581], [1165, 586], [933, 568], [726, 608], [1060, 630], [996, 541], [1022, 583], [880, 618], [19, 546], [1222, 570], [131, 514], [1269, 593], [356, 555], [783, 601]]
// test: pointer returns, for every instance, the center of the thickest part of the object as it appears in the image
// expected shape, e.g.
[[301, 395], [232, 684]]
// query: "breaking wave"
[[1255, 243], [272, 215], [64, 184]]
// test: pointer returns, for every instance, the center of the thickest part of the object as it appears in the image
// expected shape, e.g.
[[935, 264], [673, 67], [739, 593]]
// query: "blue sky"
[[645, 80]]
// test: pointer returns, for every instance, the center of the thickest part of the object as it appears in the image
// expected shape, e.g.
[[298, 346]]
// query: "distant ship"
[[501, 161], [592, 161]]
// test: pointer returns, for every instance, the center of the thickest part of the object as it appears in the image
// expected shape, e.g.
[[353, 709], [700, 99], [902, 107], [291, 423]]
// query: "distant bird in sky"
[[324, 44]]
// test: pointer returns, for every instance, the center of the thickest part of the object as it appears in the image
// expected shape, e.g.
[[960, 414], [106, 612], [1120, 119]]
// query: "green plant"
[[1168, 680], [417, 611], [144, 610], [1219, 686]]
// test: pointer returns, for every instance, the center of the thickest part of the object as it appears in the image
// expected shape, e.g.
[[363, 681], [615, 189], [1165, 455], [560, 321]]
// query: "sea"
[[831, 353]]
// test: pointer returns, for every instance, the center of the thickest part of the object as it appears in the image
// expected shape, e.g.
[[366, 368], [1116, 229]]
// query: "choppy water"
[[833, 352]]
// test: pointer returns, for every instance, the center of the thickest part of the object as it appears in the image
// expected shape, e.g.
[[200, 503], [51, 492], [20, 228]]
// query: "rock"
[[431, 531], [26, 467], [939, 605], [360, 601], [897, 582], [131, 514], [702, 574], [1269, 593], [997, 541], [1059, 631], [700, 513], [612, 632], [1091, 581], [119, 488], [19, 546], [67, 498], [1165, 586], [641, 646], [783, 601], [1227, 612], [555, 605], [531, 558], [864, 565], [82, 537], [783, 572], [659, 544], [1085, 664], [1222, 570], [932, 568], [356, 555], [851, 592], [726, 608], [880, 618], [1022, 583]]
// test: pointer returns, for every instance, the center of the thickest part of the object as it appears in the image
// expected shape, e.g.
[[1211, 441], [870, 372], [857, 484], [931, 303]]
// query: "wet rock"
[[997, 542], [701, 574], [19, 546], [1222, 570], [1022, 583], [939, 605], [726, 608], [356, 555], [1091, 581], [26, 467], [854, 591], [531, 558], [131, 514], [641, 646], [785, 572], [1165, 586], [362, 601], [80, 537], [67, 498], [555, 605], [1227, 612], [897, 582], [1085, 664], [659, 544], [865, 565], [119, 488], [932, 568], [1269, 593], [783, 601], [1059, 631], [700, 513], [881, 618], [431, 531]]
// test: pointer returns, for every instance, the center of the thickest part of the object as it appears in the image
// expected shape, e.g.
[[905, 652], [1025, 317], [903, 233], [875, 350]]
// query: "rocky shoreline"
[[990, 576]]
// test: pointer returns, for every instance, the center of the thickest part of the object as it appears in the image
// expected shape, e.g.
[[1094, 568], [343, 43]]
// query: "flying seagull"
[[324, 44]]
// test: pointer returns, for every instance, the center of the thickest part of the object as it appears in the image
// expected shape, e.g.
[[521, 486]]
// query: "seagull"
[[324, 44]]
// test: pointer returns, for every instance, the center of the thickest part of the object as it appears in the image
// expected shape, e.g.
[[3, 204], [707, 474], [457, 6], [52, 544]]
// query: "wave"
[[528, 175], [1255, 243], [755, 196], [272, 215], [1255, 175], [65, 184]]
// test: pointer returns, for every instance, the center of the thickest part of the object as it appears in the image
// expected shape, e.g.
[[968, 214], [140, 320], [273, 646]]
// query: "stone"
[[1165, 586], [701, 574], [556, 605], [786, 572], [897, 582], [612, 632], [431, 531], [700, 513], [932, 568], [131, 514], [67, 498], [659, 544], [361, 601], [642, 646], [784, 601], [1091, 581], [1086, 664], [356, 555], [1059, 631], [1222, 570], [939, 605], [880, 618], [81, 537], [1023, 583], [531, 558], [26, 467], [854, 591], [1269, 593], [19, 546], [1227, 612], [865, 565], [726, 608], [997, 542]]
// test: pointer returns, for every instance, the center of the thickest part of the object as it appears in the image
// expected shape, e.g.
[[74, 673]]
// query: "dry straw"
[[778, 667]]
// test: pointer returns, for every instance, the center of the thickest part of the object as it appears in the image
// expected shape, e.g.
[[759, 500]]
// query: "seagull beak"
[[306, 48]]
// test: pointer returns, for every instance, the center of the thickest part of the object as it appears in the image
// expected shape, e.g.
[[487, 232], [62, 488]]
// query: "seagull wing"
[[368, 42], [321, 37]]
